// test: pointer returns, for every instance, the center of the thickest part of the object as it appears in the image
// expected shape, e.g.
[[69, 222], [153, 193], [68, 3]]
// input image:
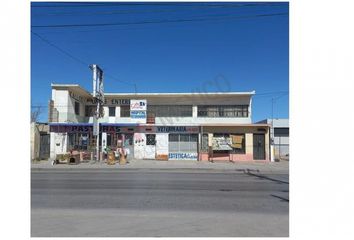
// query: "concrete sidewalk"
[[281, 167]]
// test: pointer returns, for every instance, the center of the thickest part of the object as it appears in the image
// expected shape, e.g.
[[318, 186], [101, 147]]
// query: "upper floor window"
[[170, 110], [112, 111], [223, 111], [125, 111], [77, 108], [281, 132]]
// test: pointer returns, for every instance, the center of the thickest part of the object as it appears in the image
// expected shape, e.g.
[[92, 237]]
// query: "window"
[[170, 110], [83, 141], [124, 111], [78, 141], [90, 111], [281, 132], [77, 108], [150, 139], [112, 111], [109, 140], [223, 111], [72, 141]]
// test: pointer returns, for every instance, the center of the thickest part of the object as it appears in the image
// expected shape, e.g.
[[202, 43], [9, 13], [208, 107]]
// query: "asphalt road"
[[158, 204]]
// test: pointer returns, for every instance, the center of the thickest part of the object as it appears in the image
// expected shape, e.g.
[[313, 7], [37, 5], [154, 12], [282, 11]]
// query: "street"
[[158, 203]]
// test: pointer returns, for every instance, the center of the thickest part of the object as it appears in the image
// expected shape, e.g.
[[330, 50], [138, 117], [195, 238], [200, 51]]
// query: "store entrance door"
[[162, 146], [44, 146], [129, 145], [150, 148], [258, 146]]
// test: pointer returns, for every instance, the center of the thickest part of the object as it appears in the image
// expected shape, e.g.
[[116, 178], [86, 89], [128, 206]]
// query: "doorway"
[[258, 147]]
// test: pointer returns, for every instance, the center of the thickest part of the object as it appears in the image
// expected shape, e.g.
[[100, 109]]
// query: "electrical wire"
[[61, 50], [78, 59], [158, 21], [129, 11], [122, 4]]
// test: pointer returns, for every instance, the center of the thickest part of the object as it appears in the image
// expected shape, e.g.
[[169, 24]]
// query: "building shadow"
[[249, 172], [281, 198]]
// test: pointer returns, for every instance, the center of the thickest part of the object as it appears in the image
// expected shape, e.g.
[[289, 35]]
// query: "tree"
[[35, 112]]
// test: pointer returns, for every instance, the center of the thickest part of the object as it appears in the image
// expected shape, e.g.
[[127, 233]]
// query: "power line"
[[270, 93], [129, 11], [61, 50], [157, 21], [77, 59], [122, 4]]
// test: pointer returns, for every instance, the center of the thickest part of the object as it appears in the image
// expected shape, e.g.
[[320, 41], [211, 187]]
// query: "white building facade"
[[172, 126]]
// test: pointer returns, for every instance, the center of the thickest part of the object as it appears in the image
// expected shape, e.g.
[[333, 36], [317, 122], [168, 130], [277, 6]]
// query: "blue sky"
[[185, 47]]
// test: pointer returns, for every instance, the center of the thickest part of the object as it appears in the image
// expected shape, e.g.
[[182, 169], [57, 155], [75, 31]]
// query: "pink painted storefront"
[[234, 142]]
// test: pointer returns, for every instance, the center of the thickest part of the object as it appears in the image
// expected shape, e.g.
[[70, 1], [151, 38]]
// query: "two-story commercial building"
[[172, 126]]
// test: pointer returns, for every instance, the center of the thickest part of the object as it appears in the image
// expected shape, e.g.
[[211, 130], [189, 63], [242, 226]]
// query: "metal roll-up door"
[[183, 146]]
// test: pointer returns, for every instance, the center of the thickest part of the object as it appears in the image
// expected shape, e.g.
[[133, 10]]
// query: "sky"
[[164, 47]]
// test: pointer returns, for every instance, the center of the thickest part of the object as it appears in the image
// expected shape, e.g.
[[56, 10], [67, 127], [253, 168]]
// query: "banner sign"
[[182, 156], [138, 111], [138, 114], [221, 143], [70, 129], [138, 105], [177, 129], [96, 126], [98, 92], [60, 128]]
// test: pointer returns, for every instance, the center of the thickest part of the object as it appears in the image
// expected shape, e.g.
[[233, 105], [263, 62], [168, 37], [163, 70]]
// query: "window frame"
[[125, 111], [77, 108], [223, 111], [281, 133], [110, 109], [148, 141], [170, 110]]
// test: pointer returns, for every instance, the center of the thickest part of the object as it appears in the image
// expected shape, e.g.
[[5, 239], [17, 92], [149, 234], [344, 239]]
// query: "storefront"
[[142, 141], [242, 142], [166, 142]]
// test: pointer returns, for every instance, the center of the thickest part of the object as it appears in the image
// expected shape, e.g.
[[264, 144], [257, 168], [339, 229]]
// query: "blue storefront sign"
[[138, 114]]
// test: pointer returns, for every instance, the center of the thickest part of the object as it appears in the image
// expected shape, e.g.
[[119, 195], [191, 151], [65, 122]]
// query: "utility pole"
[[98, 95], [272, 134]]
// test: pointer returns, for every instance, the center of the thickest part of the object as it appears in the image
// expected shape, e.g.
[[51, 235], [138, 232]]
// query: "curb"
[[132, 169]]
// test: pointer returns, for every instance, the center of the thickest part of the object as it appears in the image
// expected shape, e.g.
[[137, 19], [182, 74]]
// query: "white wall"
[[58, 144], [65, 105], [61, 104]]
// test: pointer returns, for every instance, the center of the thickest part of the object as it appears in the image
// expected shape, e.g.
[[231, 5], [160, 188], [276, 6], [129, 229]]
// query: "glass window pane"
[[112, 111]]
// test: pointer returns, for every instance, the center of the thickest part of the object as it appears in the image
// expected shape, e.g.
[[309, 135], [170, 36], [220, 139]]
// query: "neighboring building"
[[170, 126], [280, 135], [40, 146]]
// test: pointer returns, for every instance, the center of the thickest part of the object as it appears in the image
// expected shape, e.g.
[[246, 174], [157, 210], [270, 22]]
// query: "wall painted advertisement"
[[182, 156]]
